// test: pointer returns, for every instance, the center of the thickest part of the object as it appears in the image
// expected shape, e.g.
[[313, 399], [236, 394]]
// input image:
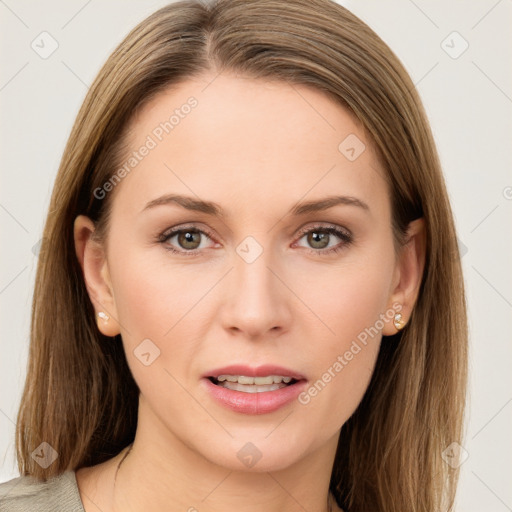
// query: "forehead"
[[248, 142]]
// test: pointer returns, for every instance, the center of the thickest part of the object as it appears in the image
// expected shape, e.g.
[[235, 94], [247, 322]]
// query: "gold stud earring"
[[398, 321], [103, 316]]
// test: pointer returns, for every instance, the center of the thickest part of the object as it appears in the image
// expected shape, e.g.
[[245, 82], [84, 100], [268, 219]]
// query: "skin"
[[256, 148]]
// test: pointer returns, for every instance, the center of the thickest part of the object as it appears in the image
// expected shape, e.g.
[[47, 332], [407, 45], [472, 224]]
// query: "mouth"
[[253, 390], [247, 384]]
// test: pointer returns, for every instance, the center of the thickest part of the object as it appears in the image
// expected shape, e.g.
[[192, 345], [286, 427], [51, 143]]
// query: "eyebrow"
[[214, 209]]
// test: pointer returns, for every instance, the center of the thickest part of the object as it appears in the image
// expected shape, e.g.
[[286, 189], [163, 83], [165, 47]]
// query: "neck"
[[160, 473]]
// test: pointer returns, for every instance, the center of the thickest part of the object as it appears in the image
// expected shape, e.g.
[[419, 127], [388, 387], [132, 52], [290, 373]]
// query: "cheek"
[[166, 305], [351, 306], [152, 296], [152, 303], [332, 397], [346, 300]]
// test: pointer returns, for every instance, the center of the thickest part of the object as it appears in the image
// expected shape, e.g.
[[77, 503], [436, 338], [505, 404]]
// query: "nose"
[[257, 300]]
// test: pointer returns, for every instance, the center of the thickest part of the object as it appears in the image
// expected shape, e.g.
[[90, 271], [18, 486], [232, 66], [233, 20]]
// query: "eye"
[[319, 239], [188, 240]]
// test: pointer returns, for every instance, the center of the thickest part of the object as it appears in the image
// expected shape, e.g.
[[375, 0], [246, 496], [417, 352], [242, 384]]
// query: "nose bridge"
[[257, 297], [253, 277]]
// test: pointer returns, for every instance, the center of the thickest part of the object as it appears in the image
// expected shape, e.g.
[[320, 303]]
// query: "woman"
[[250, 294]]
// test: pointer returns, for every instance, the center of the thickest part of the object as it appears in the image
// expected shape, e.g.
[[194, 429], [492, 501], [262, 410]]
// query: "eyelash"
[[344, 235]]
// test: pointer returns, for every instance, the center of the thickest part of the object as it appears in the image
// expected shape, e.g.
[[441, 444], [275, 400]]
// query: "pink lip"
[[254, 403], [260, 371]]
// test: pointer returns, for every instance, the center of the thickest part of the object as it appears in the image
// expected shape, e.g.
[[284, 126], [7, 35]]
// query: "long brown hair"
[[80, 396]]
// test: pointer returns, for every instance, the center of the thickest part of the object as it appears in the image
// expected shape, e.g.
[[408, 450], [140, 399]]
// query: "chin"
[[255, 453]]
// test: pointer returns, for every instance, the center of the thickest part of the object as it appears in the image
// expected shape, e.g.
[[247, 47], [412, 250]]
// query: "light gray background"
[[469, 103]]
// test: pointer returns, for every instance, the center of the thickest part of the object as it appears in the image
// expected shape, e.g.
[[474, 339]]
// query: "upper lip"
[[251, 371]]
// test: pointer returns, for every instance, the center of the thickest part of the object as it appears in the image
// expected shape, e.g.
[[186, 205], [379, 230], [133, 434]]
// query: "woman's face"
[[264, 282]]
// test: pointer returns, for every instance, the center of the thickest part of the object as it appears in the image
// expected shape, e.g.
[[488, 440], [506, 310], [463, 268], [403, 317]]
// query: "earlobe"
[[411, 263], [92, 259]]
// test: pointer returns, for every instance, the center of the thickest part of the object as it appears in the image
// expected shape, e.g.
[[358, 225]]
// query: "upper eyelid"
[[174, 230], [306, 229]]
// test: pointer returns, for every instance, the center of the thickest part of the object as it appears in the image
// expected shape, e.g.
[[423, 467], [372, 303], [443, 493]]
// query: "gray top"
[[27, 494]]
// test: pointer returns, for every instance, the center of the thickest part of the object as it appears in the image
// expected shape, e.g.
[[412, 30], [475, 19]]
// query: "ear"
[[92, 258], [408, 274]]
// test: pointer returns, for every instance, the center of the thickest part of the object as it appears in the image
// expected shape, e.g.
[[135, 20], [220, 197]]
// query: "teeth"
[[259, 381], [235, 386]]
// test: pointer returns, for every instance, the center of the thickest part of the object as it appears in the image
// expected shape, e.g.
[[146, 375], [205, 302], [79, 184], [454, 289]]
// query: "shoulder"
[[27, 494]]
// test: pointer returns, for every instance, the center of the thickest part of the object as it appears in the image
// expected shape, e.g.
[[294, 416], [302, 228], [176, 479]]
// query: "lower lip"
[[254, 403]]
